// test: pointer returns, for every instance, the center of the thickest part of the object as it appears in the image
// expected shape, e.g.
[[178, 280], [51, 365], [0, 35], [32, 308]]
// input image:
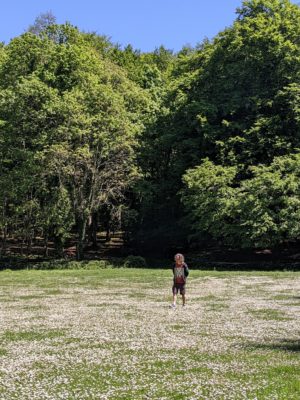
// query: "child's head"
[[179, 258]]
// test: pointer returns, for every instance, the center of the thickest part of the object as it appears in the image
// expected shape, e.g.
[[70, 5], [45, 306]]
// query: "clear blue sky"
[[145, 24]]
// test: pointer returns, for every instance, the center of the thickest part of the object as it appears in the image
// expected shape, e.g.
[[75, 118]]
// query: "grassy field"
[[110, 334]]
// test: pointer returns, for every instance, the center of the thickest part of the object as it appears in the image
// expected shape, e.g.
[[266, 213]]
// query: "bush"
[[135, 262], [63, 264], [97, 264]]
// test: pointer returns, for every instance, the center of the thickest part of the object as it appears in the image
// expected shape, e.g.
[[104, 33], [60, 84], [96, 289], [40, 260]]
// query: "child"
[[180, 273]]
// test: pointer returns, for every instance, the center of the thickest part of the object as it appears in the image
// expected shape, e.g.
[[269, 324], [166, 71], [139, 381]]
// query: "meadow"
[[110, 334]]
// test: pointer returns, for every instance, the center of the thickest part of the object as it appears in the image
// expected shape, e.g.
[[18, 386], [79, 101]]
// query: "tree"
[[208, 197], [260, 211], [25, 122], [93, 153], [233, 100], [71, 126], [42, 23]]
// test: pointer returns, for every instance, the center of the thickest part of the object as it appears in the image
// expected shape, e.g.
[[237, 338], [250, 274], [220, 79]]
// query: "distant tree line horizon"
[[177, 150]]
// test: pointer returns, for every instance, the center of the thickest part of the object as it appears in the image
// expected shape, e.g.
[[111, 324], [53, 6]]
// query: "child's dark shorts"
[[178, 287]]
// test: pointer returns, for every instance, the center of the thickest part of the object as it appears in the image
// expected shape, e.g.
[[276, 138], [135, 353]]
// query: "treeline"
[[172, 149]]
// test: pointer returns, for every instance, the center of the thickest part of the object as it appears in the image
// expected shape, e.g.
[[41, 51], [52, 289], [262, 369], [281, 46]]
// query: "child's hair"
[[179, 255]]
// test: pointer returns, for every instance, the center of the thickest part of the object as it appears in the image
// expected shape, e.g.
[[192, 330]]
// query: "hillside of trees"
[[175, 150]]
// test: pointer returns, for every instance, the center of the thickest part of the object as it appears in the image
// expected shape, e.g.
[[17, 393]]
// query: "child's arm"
[[186, 270]]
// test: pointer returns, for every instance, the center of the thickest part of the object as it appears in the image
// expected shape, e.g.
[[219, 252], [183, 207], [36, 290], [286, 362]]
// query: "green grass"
[[12, 336], [269, 314], [3, 352], [92, 334], [216, 307]]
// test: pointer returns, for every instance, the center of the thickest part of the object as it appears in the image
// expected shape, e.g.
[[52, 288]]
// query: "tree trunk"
[[82, 223], [59, 246], [4, 241], [4, 230], [22, 247], [29, 246], [93, 229], [107, 236], [46, 248]]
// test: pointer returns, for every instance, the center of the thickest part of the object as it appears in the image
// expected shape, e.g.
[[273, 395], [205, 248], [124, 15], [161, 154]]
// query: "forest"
[[180, 150]]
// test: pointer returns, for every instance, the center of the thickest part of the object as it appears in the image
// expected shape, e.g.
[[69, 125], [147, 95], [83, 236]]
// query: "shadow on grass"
[[290, 345]]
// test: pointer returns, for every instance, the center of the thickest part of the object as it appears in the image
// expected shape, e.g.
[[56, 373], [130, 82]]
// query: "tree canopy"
[[182, 147]]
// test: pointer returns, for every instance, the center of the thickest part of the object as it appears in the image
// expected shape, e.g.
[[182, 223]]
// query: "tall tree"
[[232, 99], [42, 23], [72, 126]]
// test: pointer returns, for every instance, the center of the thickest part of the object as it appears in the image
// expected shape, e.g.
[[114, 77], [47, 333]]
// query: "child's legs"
[[175, 291], [182, 292], [174, 298]]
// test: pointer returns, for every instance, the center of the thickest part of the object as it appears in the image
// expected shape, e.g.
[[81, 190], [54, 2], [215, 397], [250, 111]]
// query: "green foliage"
[[70, 122], [89, 130], [260, 211], [269, 203], [235, 101], [209, 197], [71, 265]]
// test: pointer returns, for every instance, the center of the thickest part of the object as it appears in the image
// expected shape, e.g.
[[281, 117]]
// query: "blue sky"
[[145, 24]]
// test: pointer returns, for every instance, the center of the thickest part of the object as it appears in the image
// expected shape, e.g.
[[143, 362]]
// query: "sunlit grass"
[[110, 334]]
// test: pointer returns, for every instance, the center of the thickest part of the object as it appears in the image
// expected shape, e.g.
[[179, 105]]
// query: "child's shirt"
[[180, 273]]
